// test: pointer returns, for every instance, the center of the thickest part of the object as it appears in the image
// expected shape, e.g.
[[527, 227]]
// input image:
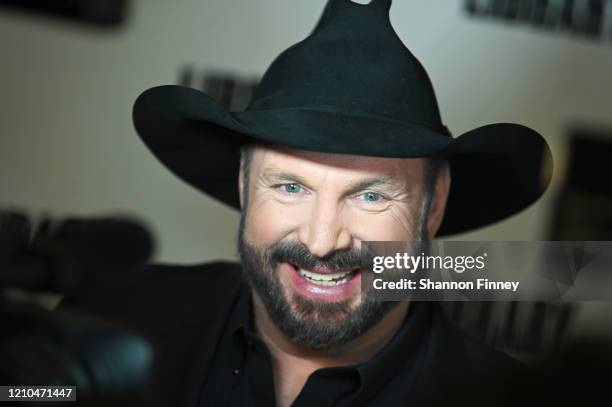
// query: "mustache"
[[299, 255]]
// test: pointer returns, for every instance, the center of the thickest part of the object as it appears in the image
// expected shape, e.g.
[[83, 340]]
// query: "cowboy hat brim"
[[496, 170]]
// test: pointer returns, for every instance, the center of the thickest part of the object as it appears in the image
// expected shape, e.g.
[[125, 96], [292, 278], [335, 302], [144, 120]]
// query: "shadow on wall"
[[106, 14]]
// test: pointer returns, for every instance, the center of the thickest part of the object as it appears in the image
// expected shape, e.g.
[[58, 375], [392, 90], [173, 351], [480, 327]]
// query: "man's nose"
[[323, 230]]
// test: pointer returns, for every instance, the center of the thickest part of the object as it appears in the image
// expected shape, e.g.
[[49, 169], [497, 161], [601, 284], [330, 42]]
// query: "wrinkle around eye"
[[370, 207], [405, 218], [277, 194], [386, 201]]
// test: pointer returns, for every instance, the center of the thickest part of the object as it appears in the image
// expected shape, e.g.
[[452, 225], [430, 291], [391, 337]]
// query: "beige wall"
[[67, 145]]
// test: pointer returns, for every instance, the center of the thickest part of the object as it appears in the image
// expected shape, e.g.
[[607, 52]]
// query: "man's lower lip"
[[311, 290]]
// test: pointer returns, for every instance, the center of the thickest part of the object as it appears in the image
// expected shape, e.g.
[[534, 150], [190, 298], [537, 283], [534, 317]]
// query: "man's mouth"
[[327, 279], [322, 283]]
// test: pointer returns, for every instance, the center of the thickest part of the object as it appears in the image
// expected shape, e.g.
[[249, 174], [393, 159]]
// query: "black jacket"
[[182, 311]]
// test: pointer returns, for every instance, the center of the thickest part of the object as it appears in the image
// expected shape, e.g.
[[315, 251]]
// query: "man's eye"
[[372, 197], [291, 188]]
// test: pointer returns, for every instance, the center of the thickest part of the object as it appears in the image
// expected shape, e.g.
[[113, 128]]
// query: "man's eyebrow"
[[276, 175], [385, 181]]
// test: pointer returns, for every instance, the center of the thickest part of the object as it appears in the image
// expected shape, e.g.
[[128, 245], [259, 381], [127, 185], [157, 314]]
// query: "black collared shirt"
[[241, 372]]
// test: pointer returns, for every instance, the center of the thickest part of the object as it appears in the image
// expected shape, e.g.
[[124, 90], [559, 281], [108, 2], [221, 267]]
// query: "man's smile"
[[322, 284], [326, 279]]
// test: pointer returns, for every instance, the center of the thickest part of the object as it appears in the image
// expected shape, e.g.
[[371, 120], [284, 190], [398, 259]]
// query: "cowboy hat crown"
[[347, 70]]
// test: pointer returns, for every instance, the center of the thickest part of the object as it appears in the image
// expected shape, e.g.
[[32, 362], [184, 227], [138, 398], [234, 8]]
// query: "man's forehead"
[[275, 159]]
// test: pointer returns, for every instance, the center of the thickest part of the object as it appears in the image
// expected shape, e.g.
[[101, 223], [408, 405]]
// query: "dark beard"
[[312, 324]]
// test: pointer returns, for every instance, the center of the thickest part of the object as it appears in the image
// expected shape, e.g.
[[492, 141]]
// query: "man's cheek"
[[269, 222], [406, 223]]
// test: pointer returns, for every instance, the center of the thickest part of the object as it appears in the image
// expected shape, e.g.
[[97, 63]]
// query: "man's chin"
[[319, 312], [318, 324]]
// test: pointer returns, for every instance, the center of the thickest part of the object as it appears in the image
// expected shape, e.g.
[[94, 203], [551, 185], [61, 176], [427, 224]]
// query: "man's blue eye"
[[371, 197], [292, 188]]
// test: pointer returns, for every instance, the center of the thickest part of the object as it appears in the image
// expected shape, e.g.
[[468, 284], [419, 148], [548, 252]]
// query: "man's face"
[[302, 229]]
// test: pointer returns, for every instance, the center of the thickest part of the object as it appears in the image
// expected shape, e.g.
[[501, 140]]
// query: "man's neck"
[[293, 364]]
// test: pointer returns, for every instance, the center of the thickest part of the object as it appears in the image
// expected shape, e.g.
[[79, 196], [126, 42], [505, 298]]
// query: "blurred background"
[[70, 71]]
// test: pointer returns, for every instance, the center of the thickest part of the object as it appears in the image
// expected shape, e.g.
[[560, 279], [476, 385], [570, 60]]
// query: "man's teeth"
[[326, 279]]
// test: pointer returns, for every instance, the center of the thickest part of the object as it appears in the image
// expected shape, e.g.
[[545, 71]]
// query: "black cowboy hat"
[[350, 87]]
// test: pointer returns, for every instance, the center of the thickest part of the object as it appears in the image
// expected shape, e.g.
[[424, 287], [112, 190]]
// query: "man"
[[342, 144]]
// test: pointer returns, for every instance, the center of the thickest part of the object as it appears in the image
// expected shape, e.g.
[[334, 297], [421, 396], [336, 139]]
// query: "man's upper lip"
[[325, 270]]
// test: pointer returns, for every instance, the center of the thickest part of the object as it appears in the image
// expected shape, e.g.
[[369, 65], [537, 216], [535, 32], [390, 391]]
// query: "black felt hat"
[[350, 87]]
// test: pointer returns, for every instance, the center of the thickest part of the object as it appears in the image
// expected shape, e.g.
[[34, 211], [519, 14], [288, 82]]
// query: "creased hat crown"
[[352, 61]]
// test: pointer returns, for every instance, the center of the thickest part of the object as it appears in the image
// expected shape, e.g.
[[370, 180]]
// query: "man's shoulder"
[[205, 276], [160, 292], [473, 354], [463, 369], [213, 269], [166, 279], [181, 310]]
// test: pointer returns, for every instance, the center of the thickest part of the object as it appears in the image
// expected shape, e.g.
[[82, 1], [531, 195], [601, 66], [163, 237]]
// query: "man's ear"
[[241, 180], [438, 201]]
